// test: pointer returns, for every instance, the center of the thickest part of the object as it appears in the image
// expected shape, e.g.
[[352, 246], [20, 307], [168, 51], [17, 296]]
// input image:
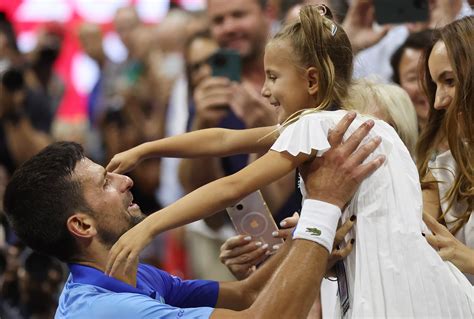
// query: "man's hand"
[[212, 99], [249, 105], [335, 176]]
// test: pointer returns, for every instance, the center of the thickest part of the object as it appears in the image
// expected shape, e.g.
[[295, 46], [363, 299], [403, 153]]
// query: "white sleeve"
[[305, 135]]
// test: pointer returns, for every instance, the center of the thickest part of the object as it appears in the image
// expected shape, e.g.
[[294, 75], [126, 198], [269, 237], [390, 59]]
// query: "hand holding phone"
[[252, 217]]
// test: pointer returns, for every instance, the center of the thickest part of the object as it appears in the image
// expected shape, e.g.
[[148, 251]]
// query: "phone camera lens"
[[220, 60], [240, 207]]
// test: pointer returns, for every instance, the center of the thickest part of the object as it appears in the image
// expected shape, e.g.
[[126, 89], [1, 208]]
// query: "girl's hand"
[[125, 161], [241, 255], [448, 246], [126, 250]]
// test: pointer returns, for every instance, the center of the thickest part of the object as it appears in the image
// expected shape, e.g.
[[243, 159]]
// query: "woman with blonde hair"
[[445, 148], [388, 102]]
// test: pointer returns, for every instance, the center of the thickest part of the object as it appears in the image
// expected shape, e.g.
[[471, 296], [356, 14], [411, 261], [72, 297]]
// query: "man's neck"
[[97, 258]]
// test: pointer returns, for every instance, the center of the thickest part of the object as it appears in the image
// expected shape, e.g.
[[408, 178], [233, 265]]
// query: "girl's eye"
[[272, 77]]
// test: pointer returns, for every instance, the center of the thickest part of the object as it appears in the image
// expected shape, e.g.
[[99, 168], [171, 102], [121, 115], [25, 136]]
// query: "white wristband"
[[318, 223]]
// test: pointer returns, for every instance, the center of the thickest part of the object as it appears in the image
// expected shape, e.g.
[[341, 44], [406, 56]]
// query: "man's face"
[[240, 25], [108, 195]]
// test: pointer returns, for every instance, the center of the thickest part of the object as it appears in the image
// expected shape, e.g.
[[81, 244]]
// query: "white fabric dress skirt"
[[392, 271]]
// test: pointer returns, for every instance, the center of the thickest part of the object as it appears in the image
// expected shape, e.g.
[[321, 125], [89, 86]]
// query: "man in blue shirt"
[[62, 204]]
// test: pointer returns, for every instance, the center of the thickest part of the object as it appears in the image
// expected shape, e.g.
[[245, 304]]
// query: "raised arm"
[[202, 203], [213, 142]]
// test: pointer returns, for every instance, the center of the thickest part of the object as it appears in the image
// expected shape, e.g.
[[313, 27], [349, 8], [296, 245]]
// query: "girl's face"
[[442, 75], [286, 84]]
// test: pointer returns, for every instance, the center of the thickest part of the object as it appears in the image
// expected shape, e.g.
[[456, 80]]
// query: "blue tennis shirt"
[[89, 293]]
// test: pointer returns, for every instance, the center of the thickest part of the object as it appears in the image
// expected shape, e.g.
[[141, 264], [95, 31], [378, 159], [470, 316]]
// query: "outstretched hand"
[[449, 247], [124, 253], [125, 161]]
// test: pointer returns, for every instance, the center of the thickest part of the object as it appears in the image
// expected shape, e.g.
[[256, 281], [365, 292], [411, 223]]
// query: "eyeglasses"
[[194, 67]]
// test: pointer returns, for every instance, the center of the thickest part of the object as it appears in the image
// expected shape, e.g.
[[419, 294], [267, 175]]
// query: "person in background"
[[405, 64], [445, 148]]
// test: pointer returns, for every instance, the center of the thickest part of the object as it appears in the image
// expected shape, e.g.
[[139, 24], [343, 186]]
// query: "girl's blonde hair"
[[390, 103], [456, 124], [320, 42]]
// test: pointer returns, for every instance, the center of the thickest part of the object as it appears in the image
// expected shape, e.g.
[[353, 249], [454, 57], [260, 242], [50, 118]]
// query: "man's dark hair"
[[41, 195], [418, 40]]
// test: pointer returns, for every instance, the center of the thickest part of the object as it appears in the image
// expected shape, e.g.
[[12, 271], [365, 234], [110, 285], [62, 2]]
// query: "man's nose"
[[229, 25], [126, 183]]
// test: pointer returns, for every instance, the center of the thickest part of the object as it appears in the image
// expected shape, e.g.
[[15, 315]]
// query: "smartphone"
[[252, 217], [401, 11], [226, 63]]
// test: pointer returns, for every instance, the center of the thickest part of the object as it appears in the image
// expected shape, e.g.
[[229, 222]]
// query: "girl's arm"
[[203, 202], [213, 142]]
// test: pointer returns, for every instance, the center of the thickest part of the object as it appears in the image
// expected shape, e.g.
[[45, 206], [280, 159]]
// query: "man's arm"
[[291, 289]]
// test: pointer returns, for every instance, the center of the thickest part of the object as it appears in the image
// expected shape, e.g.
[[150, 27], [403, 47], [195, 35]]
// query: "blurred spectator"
[[405, 66], [25, 120], [387, 102], [41, 76], [40, 280], [375, 57], [9, 54]]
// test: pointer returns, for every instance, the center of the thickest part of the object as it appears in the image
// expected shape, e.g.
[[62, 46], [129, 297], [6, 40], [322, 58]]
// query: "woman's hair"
[[456, 123], [390, 103], [320, 42]]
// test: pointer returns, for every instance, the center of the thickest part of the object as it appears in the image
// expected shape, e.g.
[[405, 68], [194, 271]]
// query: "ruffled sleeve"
[[305, 135]]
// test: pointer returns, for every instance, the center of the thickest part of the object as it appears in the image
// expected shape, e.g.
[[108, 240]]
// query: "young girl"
[[393, 272]]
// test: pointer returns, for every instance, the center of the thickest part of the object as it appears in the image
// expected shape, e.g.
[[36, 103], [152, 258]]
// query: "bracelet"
[[318, 223]]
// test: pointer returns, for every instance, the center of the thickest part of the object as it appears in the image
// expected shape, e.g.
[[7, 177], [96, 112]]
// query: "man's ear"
[[81, 225], [312, 76]]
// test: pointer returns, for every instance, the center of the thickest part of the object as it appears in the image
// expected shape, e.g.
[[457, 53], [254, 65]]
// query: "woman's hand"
[[126, 250], [241, 254], [448, 246], [125, 161], [337, 252]]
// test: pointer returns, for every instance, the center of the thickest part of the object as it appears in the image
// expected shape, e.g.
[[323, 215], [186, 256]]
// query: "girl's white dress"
[[392, 271]]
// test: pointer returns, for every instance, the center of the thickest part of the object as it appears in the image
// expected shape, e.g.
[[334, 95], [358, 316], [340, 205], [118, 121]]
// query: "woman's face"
[[442, 75], [198, 53], [408, 70]]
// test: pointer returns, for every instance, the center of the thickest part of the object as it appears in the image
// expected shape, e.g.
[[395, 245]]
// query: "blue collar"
[[87, 275]]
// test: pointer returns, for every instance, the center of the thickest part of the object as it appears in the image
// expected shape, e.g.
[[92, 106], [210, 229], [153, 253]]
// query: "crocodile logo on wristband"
[[313, 231]]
